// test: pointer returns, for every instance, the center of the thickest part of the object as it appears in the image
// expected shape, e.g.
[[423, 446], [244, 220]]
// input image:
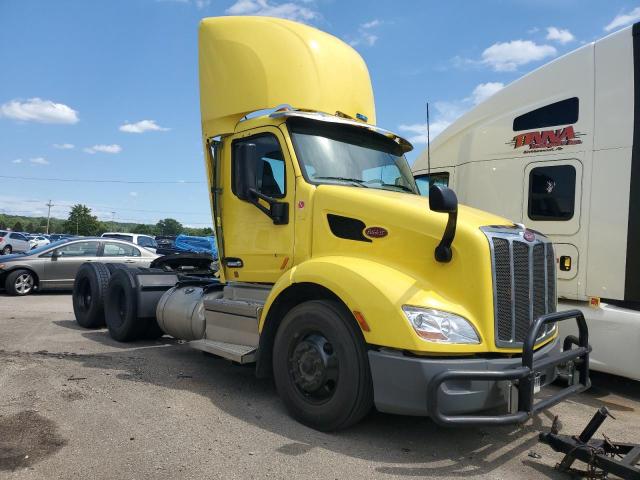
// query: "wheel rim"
[[314, 367], [6, 250], [24, 283], [84, 294]]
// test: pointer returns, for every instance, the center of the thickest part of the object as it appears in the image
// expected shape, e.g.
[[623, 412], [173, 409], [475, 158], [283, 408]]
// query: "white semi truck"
[[559, 150]]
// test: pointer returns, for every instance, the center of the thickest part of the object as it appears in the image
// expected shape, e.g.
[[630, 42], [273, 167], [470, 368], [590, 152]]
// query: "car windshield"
[[350, 155], [46, 247], [119, 236]]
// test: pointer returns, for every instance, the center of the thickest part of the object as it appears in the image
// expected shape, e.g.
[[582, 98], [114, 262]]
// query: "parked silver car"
[[13, 242], [54, 266]]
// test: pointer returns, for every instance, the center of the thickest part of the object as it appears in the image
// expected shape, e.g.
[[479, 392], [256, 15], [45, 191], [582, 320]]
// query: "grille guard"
[[524, 375]]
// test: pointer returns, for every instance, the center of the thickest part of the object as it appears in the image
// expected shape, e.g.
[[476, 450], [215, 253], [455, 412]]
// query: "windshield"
[[119, 236], [349, 155]]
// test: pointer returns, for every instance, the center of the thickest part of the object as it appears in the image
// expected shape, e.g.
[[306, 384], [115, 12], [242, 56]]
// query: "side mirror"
[[443, 200], [245, 170], [279, 212], [55, 255], [246, 185]]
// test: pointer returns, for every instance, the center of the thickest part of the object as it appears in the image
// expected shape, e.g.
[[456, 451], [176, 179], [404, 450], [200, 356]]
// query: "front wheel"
[[6, 250], [20, 282], [320, 366]]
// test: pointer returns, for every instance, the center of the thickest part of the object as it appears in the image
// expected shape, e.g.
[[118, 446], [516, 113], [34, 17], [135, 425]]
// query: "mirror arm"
[[443, 252], [269, 211]]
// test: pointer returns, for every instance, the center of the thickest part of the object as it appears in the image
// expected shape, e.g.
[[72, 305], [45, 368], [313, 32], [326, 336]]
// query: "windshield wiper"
[[401, 187], [392, 185], [357, 181]]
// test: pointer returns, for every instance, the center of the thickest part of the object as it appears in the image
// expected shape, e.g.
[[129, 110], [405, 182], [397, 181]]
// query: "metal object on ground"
[[601, 456]]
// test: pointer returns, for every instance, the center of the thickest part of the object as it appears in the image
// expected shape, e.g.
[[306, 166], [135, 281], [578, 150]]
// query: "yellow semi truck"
[[336, 277]]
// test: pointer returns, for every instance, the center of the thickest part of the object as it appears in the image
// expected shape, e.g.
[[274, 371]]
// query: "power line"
[[79, 180], [112, 207]]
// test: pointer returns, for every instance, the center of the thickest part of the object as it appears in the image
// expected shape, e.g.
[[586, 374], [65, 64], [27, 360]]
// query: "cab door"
[[552, 205], [255, 249]]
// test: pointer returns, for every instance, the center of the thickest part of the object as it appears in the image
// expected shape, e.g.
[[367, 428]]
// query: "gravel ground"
[[76, 404]]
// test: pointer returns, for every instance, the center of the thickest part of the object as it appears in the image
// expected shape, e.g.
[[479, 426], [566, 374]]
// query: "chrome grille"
[[524, 283]]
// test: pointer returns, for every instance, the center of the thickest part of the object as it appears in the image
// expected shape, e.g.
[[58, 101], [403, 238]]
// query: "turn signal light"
[[361, 321]]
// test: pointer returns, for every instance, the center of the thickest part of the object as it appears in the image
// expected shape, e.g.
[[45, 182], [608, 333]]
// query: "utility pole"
[[49, 214], [113, 221]]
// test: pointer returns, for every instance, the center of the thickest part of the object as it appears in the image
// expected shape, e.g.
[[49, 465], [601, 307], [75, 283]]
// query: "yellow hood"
[[256, 63]]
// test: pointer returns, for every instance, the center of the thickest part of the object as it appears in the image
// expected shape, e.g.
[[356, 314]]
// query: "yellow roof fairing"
[[255, 63]]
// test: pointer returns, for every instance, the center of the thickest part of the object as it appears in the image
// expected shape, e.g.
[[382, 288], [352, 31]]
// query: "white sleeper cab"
[[559, 150]]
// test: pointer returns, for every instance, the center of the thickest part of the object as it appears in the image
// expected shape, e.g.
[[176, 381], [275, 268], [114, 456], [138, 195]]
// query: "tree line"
[[81, 221]]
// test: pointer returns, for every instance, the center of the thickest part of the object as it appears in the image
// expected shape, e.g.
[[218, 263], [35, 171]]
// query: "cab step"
[[230, 351]]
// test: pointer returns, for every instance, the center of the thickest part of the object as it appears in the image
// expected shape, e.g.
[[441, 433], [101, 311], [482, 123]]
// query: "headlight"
[[440, 327]]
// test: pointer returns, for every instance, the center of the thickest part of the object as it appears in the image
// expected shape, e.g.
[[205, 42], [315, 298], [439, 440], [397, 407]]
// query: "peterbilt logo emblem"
[[529, 236], [546, 139], [376, 232]]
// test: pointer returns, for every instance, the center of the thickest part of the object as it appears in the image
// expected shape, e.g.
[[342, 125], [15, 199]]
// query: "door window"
[[552, 192], [270, 170], [425, 181], [79, 249], [112, 249], [18, 236]]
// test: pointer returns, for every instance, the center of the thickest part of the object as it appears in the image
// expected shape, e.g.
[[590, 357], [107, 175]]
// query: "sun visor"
[[256, 63]]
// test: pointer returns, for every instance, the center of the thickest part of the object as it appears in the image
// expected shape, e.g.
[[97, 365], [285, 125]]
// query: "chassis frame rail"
[[524, 376]]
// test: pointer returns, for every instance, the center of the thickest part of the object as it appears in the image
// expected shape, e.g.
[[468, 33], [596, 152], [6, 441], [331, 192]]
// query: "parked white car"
[[38, 241], [145, 241], [13, 242]]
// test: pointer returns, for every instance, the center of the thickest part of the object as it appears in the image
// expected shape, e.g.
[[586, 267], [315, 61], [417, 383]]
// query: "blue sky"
[[107, 89]]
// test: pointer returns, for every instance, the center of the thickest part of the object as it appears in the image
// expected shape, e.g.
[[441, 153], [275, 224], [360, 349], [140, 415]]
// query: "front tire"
[[6, 250], [20, 283], [320, 366]]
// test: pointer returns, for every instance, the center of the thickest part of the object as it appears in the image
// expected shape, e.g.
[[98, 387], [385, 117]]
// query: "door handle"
[[233, 262], [129, 261]]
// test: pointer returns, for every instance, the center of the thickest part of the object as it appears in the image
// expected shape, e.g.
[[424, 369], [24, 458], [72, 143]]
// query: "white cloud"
[[484, 91], [104, 149], [623, 19], [17, 160], [38, 110], [365, 34], [560, 35], [133, 194], [445, 113], [508, 56], [265, 8], [39, 161], [202, 3], [142, 126], [64, 146]]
